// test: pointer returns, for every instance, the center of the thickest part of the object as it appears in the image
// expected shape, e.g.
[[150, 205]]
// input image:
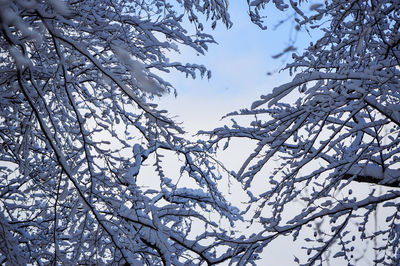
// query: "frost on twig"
[[78, 128], [331, 157]]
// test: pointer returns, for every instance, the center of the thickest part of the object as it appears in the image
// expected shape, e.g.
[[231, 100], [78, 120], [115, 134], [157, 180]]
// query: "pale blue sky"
[[239, 65]]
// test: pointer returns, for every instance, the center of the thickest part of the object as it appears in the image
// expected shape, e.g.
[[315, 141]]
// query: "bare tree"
[[77, 126], [338, 142]]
